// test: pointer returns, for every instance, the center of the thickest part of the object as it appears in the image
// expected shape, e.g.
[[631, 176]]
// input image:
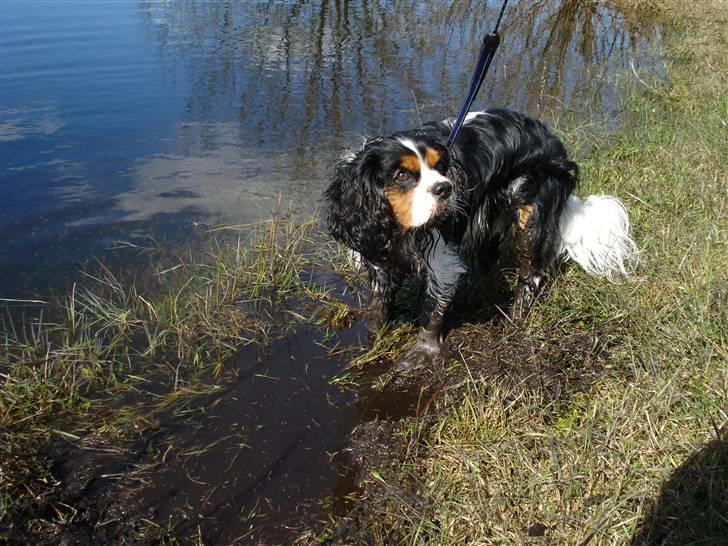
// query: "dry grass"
[[642, 456]]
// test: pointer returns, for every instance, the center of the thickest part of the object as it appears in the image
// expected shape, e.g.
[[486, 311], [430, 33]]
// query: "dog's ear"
[[455, 171], [358, 211]]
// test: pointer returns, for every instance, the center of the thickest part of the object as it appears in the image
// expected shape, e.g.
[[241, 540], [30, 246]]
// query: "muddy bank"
[[290, 439], [386, 450], [246, 462]]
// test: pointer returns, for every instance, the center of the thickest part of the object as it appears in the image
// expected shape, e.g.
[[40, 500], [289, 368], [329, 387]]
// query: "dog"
[[405, 204]]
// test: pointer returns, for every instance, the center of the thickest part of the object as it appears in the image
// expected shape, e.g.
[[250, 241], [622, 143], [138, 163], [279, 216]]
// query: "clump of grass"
[[387, 345], [108, 338], [198, 314], [642, 456]]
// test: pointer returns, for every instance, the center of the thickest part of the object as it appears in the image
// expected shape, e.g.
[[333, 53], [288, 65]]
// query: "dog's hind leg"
[[536, 234], [531, 263]]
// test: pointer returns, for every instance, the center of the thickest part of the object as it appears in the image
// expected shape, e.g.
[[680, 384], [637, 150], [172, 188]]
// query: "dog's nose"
[[442, 190]]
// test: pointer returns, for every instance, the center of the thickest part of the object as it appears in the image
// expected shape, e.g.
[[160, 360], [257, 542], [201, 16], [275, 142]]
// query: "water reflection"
[[303, 74], [306, 79], [17, 124], [208, 180], [115, 114]]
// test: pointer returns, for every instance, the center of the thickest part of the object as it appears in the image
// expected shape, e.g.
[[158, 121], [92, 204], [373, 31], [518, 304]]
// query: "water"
[[147, 121]]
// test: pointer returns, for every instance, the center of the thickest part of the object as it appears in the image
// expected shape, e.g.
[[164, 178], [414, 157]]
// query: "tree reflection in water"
[[310, 75]]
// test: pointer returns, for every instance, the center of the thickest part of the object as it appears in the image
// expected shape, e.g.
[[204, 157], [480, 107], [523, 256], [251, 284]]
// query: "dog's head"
[[392, 185]]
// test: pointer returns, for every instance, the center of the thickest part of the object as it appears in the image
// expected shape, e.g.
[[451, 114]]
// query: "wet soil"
[[271, 455], [496, 352]]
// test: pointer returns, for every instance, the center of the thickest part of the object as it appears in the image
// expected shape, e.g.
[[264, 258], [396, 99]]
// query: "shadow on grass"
[[692, 507]]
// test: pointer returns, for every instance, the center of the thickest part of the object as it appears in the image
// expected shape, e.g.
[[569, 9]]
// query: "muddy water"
[[259, 459], [266, 447], [136, 125]]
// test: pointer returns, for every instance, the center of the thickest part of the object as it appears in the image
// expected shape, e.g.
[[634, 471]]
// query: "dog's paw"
[[419, 357]]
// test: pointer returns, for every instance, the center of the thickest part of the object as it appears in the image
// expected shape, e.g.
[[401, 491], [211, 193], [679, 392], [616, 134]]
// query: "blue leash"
[[487, 52]]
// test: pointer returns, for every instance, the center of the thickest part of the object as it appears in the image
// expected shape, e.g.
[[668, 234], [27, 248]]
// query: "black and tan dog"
[[405, 204]]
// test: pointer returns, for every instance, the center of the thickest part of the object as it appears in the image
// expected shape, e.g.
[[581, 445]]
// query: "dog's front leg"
[[382, 291], [444, 268], [428, 347]]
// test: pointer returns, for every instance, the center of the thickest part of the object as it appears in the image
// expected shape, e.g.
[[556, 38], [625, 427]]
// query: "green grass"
[[643, 453], [157, 348]]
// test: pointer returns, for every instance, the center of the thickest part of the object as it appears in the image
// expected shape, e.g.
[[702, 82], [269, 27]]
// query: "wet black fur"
[[491, 152]]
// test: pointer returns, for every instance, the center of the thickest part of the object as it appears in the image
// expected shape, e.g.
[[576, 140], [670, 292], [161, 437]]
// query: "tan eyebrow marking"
[[432, 157], [410, 162]]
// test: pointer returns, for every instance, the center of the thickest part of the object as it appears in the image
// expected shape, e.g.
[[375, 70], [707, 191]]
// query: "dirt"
[[257, 461], [495, 352], [82, 489]]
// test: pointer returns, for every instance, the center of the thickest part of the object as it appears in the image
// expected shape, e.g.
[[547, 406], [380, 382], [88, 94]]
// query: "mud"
[[273, 455], [496, 352]]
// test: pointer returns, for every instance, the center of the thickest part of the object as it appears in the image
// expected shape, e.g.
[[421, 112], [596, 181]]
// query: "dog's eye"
[[401, 175]]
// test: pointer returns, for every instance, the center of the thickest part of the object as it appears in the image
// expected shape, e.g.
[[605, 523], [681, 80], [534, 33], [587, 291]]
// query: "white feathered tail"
[[595, 234]]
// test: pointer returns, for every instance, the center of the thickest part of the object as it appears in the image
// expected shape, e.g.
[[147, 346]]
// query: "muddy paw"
[[419, 357]]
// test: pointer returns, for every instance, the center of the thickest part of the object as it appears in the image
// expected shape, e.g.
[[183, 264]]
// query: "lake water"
[[144, 122]]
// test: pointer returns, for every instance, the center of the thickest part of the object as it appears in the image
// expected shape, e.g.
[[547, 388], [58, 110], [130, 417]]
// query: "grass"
[[154, 349], [641, 456]]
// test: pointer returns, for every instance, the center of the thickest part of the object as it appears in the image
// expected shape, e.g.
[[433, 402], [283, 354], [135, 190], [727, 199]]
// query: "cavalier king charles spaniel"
[[406, 205]]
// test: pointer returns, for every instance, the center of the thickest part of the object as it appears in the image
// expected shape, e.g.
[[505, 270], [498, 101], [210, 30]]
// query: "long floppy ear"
[[358, 211]]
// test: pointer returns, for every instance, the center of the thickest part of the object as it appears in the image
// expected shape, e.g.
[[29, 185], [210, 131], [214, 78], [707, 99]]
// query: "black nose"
[[442, 190]]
